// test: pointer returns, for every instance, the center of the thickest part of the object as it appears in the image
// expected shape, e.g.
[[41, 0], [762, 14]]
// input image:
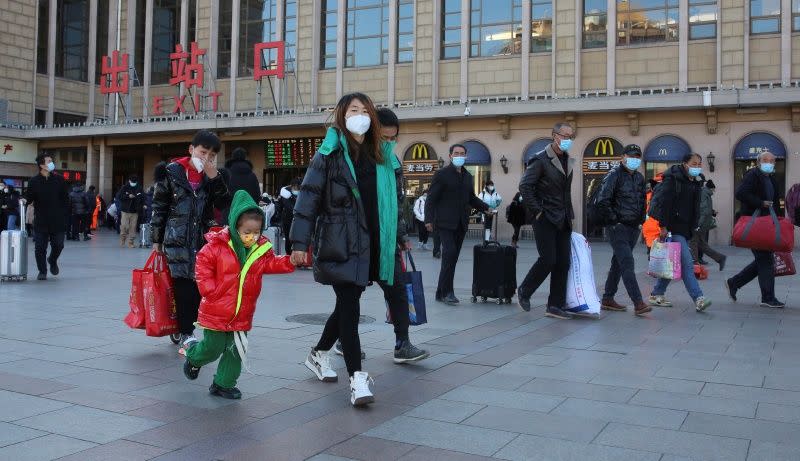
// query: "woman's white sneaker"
[[320, 364], [359, 389]]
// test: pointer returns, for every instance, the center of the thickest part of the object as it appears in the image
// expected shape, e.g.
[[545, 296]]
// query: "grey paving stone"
[[104, 400], [503, 398], [445, 410], [211, 448], [296, 443], [499, 380], [326, 457], [95, 425], [783, 413], [11, 434], [45, 448], [443, 435], [118, 450], [457, 373], [696, 403], [428, 453], [636, 381], [204, 425], [736, 377], [416, 392], [698, 446], [579, 390], [751, 393], [370, 449], [15, 406], [166, 412], [37, 368], [567, 427], [534, 448], [770, 451], [742, 428], [185, 394], [621, 413], [110, 381]]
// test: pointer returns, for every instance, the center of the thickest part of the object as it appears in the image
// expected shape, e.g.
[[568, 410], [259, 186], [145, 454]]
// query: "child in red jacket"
[[228, 272]]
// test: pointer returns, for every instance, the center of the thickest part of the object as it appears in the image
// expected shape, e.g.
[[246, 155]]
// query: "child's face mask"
[[248, 239]]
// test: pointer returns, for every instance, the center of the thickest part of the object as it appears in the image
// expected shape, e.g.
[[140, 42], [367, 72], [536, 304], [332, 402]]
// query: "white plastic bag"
[[582, 296]]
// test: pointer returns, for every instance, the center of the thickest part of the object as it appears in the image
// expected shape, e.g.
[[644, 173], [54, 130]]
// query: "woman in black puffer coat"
[[238, 175]]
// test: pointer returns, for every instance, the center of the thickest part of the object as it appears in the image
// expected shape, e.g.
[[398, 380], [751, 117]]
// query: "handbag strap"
[[151, 260], [410, 262], [775, 223], [748, 227]]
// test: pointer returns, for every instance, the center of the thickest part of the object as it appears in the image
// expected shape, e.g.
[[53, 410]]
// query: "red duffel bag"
[[767, 233], [784, 264]]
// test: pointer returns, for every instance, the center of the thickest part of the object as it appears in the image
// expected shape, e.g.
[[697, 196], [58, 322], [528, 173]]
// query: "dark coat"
[[50, 199], [11, 201], [129, 204], [752, 194], [284, 209], [545, 188], [181, 216], [77, 199], [682, 213], [328, 210], [516, 212], [622, 197], [451, 198], [238, 175]]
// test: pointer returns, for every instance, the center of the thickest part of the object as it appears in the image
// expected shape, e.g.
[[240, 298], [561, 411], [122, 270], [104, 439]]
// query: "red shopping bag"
[[161, 317], [766, 233], [136, 317], [700, 272], [784, 264], [309, 262]]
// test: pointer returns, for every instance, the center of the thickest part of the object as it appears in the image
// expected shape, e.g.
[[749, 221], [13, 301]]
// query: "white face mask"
[[358, 124], [198, 164]]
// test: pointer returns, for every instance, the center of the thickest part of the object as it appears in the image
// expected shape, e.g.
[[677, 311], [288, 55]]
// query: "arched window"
[[662, 152]]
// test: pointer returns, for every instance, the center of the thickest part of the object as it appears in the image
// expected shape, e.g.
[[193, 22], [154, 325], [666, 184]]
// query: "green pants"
[[214, 345]]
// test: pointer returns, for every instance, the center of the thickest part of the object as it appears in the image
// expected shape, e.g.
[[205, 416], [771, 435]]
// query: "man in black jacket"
[[77, 200], [238, 175], [621, 204], [758, 191], [130, 198], [545, 188], [50, 198], [284, 209], [450, 199]]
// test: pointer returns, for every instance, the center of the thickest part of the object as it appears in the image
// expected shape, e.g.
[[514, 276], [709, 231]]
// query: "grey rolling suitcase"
[[144, 234], [274, 235], [14, 251]]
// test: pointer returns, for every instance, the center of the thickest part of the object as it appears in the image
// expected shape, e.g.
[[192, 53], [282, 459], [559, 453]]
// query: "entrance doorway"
[[276, 178], [745, 156]]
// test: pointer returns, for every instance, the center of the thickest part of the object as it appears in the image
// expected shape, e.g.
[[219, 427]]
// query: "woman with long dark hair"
[[349, 202]]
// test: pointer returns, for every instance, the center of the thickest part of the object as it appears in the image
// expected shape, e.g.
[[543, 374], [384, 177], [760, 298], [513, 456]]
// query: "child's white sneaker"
[[320, 364], [359, 389]]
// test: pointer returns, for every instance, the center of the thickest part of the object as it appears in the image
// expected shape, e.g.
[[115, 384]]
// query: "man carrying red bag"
[[758, 191]]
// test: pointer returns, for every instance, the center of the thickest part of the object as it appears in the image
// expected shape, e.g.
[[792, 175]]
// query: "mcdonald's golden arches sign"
[[601, 155], [419, 151]]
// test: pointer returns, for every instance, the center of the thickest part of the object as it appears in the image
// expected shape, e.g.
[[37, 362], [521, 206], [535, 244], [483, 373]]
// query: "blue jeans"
[[687, 272], [12, 222]]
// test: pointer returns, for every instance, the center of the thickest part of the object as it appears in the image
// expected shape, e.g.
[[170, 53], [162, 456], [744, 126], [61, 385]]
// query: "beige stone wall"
[[304, 58], [702, 63], [541, 66], [593, 69], [326, 87], [424, 50], [41, 92], [373, 81], [203, 34], [644, 67], [403, 82], [71, 96], [496, 76], [17, 52], [731, 33], [449, 79], [795, 57], [765, 59], [565, 44]]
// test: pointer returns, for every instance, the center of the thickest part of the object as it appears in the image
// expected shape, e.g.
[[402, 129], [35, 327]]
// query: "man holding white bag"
[[621, 204]]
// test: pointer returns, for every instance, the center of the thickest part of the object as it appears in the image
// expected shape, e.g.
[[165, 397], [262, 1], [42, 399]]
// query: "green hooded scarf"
[[387, 198], [241, 202]]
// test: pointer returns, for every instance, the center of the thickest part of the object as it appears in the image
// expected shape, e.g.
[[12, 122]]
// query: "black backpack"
[[660, 202], [593, 212]]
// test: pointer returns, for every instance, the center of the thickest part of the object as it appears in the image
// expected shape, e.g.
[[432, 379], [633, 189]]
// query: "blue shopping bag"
[[416, 295]]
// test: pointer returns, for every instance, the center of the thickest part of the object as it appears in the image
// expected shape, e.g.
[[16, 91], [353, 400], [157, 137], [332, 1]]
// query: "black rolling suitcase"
[[494, 272]]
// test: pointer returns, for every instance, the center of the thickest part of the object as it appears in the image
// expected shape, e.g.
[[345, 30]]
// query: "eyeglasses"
[[572, 136]]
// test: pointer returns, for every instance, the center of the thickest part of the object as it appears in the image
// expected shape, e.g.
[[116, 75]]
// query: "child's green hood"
[[241, 202]]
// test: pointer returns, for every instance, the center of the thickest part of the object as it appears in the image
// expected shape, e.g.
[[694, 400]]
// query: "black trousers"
[[452, 240], [437, 243], [515, 237], [396, 298], [40, 239], [423, 232], [554, 247], [187, 302], [763, 267], [343, 325]]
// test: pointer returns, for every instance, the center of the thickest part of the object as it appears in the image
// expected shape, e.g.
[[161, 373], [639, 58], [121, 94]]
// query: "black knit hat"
[[632, 149]]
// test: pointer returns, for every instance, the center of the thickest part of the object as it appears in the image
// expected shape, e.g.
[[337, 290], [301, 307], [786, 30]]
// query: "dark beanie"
[[239, 154], [632, 149], [710, 184]]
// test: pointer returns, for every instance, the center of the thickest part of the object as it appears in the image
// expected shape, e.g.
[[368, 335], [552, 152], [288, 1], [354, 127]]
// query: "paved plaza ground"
[[77, 384]]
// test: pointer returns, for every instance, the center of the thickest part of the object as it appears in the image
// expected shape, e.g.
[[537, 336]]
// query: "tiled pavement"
[[76, 384]]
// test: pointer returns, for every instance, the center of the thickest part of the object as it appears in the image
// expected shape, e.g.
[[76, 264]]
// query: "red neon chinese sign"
[[187, 68], [259, 71], [115, 74]]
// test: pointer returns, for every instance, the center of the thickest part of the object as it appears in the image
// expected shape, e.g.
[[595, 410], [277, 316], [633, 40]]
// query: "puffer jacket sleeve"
[[306, 209], [205, 270], [527, 187], [277, 264], [605, 197], [434, 195], [162, 196], [219, 192]]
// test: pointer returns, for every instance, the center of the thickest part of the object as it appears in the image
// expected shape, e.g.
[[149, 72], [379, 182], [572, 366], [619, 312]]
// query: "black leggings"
[[187, 302], [343, 325]]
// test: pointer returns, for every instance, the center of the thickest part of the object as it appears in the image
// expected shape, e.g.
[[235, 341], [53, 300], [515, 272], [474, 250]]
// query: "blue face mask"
[[51, 166], [295, 193], [695, 171], [633, 163], [565, 144], [767, 168], [459, 161]]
